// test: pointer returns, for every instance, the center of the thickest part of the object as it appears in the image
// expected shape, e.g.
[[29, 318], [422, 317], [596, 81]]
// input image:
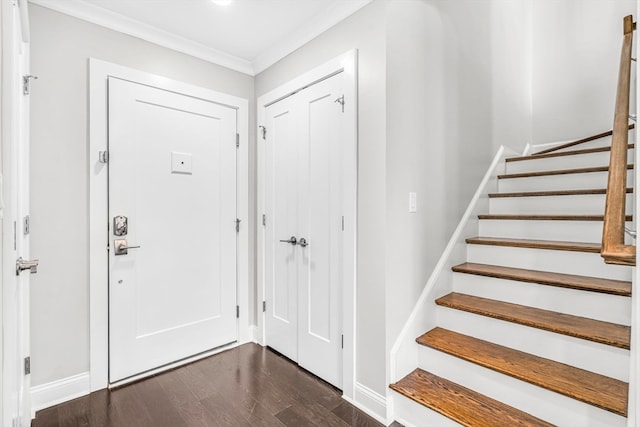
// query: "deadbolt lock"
[[120, 225]]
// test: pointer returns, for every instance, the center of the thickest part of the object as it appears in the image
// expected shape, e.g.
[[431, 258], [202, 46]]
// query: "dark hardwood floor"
[[245, 386]]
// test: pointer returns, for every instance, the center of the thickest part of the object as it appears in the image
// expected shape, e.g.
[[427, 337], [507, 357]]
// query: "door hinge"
[[342, 344], [27, 365], [237, 140], [343, 223], [264, 131], [27, 225], [237, 311], [341, 102], [103, 156], [264, 306], [264, 220], [26, 83], [238, 220]]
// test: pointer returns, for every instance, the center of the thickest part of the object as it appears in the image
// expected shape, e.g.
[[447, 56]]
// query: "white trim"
[[346, 63], [98, 215], [403, 356], [59, 391], [533, 148], [337, 11], [82, 9], [633, 404], [88, 12], [255, 334], [370, 402]]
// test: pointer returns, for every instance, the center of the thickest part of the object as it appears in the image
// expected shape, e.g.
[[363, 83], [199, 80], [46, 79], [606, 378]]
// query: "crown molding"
[[82, 9], [336, 12], [88, 12]]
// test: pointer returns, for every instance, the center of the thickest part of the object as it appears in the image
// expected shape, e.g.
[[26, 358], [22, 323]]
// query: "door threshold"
[[170, 366]]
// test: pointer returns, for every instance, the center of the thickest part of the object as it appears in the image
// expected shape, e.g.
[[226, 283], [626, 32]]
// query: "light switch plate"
[[181, 163], [413, 202]]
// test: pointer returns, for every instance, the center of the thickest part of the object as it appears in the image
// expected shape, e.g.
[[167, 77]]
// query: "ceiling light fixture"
[[222, 2]]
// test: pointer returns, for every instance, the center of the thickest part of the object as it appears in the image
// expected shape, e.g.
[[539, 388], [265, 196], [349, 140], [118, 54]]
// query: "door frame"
[[99, 71], [346, 63], [14, 198]]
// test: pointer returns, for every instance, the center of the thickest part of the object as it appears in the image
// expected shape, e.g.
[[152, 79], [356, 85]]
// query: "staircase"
[[533, 328]]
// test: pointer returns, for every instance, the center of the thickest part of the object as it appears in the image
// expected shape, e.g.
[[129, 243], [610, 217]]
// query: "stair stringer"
[[403, 357], [633, 407]]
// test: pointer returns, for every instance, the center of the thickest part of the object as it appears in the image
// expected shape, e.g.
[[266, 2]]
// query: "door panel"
[[172, 174], [304, 199], [281, 272], [320, 222]]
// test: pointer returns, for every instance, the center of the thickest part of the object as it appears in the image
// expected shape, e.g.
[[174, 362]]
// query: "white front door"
[[172, 202], [304, 201], [16, 407]]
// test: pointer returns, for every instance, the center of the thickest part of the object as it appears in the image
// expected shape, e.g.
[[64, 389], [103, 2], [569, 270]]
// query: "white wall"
[[450, 104], [511, 24], [365, 30], [576, 54], [61, 46]]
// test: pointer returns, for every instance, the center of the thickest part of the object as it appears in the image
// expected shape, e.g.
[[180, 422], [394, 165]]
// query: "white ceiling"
[[247, 36]]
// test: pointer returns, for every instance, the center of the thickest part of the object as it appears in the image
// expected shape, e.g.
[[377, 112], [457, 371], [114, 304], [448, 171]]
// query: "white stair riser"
[[571, 231], [599, 358], [413, 414], [573, 181], [608, 308], [588, 160], [552, 407], [584, 264], [562, 205]]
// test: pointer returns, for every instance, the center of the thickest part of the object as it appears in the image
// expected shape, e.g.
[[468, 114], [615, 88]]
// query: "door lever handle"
[[121, 247], [22, 265], [303, 242], [291, 240]]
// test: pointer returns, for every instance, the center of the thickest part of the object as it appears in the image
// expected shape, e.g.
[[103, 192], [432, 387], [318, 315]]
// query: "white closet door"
[[304, 200], [281, 188], [320, 224]]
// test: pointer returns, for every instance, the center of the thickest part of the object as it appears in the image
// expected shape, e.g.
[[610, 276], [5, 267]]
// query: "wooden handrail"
[[614, 250]]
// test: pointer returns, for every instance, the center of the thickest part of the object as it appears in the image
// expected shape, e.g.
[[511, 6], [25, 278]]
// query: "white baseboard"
[[370, 402], [55, 392], [253, 333]]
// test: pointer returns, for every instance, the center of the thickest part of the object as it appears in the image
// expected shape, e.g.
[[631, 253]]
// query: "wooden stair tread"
[[564, 153], [554, 193], [536, 244], [465, 406], [580, 327], [572, 281], [557, 172], [546, 217], [598, 390], [580, 141]]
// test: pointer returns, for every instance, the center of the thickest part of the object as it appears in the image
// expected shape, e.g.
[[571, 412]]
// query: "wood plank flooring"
[[245, 386]]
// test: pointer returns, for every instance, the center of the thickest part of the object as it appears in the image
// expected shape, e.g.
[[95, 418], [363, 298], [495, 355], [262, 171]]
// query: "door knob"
[[303, 242], [22, 265], [121, 247], [291, 240]]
